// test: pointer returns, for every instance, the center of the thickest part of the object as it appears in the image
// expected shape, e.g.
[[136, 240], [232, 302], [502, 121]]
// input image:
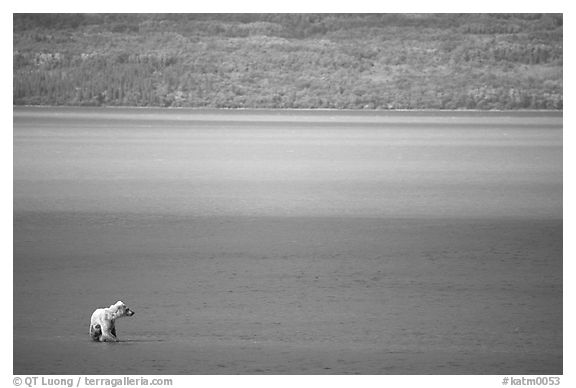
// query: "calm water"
[[288, 242], [298, 164]]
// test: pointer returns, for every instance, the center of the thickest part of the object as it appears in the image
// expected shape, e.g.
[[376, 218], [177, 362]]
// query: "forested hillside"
[[357, 61]]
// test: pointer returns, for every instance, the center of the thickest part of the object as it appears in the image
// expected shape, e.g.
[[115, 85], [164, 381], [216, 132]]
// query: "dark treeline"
[[356, 61]]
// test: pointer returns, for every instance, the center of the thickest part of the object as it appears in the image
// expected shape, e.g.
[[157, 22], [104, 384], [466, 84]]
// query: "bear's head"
[[120, 310]]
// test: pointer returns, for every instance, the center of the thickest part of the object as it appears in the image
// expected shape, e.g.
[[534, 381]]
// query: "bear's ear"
[[115, 309]]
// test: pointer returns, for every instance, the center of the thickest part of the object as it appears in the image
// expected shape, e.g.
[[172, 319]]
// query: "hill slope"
[[373, 61]]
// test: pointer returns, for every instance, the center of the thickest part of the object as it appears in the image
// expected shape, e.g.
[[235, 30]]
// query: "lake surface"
[[301, 242]]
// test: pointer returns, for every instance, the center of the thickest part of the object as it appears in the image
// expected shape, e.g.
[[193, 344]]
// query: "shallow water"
[[288, 243]]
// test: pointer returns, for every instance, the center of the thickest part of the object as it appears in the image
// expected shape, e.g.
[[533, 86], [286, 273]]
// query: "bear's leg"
[[113, 331], [95, 332], [107, 334]]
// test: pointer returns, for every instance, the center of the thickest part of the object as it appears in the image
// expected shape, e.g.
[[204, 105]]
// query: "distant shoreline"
[[297, 109]]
